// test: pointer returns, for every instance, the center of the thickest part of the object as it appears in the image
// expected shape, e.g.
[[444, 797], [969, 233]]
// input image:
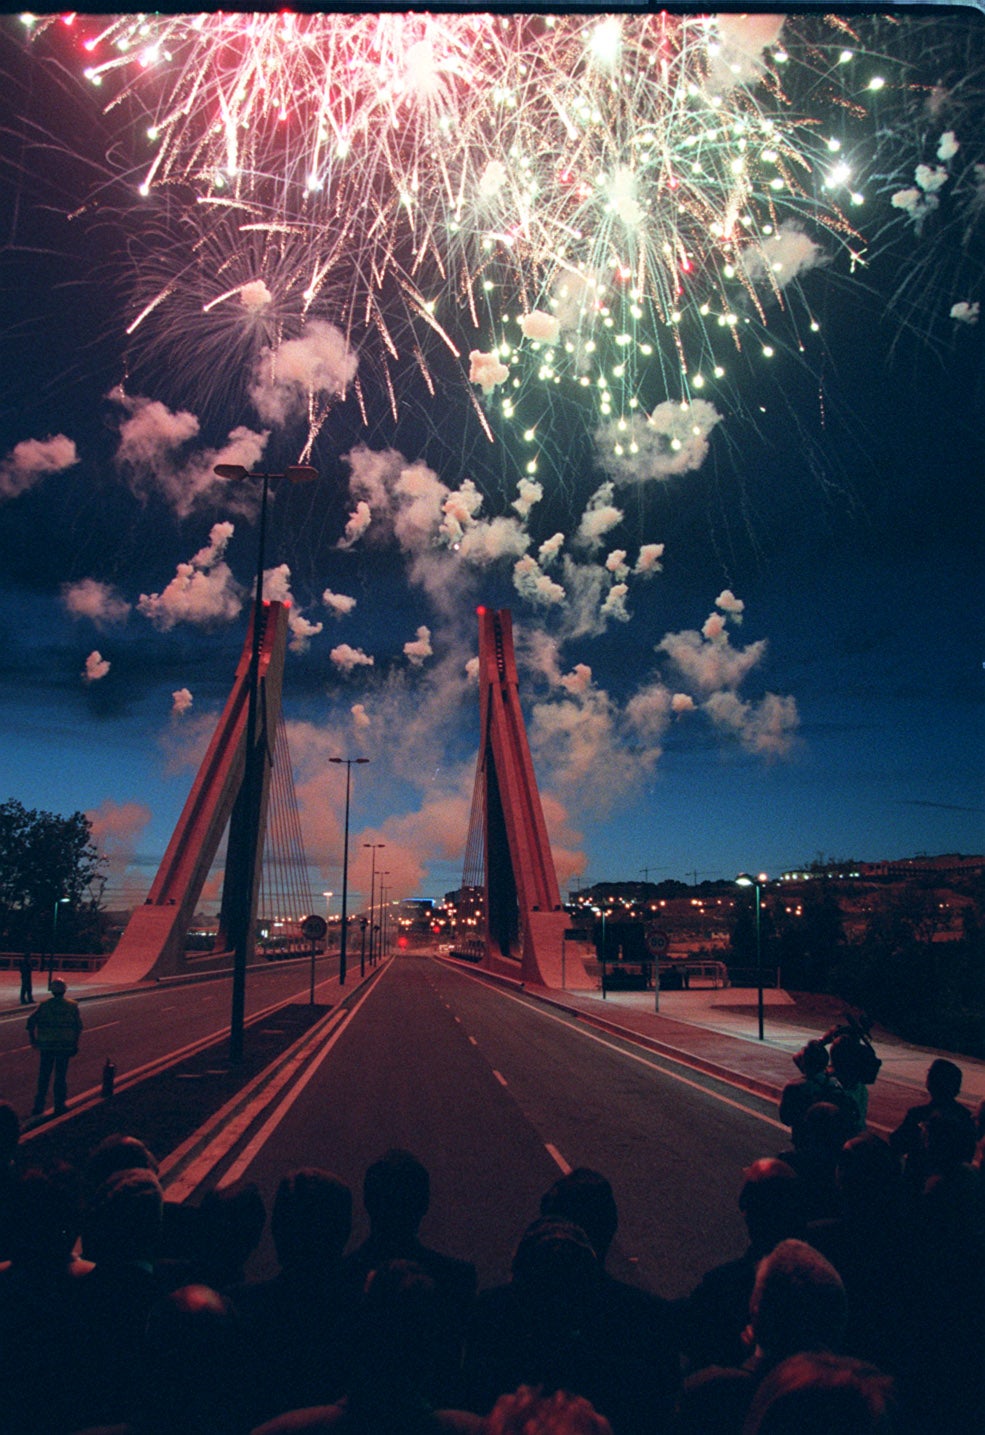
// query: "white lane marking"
[[101, 1027], [500, 1077], [650, 1064], [556, 1156], [224, 1142], [473, 1041]]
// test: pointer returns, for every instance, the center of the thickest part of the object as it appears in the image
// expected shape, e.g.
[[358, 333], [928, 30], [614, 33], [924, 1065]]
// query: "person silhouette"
[[54, 1028]]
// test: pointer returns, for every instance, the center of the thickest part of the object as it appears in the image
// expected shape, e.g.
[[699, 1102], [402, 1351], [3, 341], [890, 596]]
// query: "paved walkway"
[[714, 1030]]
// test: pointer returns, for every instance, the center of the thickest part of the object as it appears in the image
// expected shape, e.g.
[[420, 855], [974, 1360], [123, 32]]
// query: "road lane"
[[496, 1097]]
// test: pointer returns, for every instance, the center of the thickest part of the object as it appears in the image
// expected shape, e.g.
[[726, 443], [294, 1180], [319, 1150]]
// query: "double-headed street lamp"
[[345, 864], [245, 879], [375, 847], [745, 880]]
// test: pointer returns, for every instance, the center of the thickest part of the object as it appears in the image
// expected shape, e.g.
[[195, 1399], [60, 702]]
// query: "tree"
[[47, 861]]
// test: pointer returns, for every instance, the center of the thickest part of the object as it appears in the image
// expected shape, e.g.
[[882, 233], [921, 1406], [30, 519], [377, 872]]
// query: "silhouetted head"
[[122, 1219], [584, 1197], [10, 1132], [397, 1327], [232, 1219], [311, 1220], [868, 1175], [823, 1130], [817, 1393], [556, 1273], [771, 1200], [193, 1379], [45, 1214], [943, 1080], [797, 1302], [528, 1411], [812, 1059], [846, 1060], [116, 1153], [58, 987], [396, 1194]]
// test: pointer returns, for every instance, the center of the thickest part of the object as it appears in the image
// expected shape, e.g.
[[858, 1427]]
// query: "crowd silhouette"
[[857, 1305]]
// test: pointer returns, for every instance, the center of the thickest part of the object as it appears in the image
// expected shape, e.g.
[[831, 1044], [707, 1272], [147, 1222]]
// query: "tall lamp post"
[[384, 914], [59, 902], [343, 935], [374, 846], [745, 880], [245, 936]]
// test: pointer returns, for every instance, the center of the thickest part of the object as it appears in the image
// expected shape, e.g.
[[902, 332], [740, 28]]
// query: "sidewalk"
[[717, 1031]]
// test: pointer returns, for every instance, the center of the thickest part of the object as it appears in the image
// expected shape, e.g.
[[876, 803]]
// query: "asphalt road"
[[135, 1028], [497, 1094]]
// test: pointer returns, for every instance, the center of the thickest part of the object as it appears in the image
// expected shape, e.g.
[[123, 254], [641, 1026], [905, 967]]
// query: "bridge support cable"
[[285, 887]]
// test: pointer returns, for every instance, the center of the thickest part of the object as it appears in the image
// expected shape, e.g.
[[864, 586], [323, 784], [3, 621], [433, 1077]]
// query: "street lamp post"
[[59, 902], [245, 936], [374, 846], [345, 863], [745, 880], [383, 914]]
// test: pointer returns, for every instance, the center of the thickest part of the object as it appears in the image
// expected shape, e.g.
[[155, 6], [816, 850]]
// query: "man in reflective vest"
[[54, 1029]]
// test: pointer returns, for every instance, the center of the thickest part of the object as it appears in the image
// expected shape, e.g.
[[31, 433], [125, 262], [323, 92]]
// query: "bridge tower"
[[524, 921], [153, 943]]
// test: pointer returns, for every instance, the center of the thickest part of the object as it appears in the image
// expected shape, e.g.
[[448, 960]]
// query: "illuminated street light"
[[244, 888], [343, 935], [375, 846], [745, 880]]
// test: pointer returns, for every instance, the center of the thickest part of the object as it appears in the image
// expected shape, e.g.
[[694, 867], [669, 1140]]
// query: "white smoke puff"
[[459, 510], [736, 52], [319, 363], [419, 649], [96, 667], [277, 589], [302, 630], [360, 717], [616, 563], [529, 492], [930, 178], [767, 728], [420, 497], [472, 670], [910, 200], [710, 665], [714, 629], [486, 370], [550, 549], [673, 440], [32, 458], [339, 604], [615, 603], [647, 717], [648, 560], [782, 257], [152, 432], [492, 179], [373, 474], [219, 536], [203, 591], [499, 538], [586, 585], [255, 295], [358, 522], [544, 328], [579, 680], [965, 312], [730, 604], [181, 701], [347, 658], [531, 582], [599, 518], [682, 703], [948, 146], [99, 602]]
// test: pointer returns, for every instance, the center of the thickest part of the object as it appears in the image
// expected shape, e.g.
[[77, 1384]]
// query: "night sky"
[[797, 672]]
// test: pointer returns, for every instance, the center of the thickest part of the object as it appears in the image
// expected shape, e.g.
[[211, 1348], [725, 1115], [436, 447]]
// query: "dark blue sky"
[[837, 512]]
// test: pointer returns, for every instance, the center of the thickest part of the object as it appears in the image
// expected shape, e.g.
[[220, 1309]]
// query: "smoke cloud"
[[96, 667], [99, 602], [203, 591], [33, 458]]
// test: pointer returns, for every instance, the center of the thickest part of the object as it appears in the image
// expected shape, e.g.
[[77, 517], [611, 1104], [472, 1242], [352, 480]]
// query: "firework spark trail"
[[618, 174]]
